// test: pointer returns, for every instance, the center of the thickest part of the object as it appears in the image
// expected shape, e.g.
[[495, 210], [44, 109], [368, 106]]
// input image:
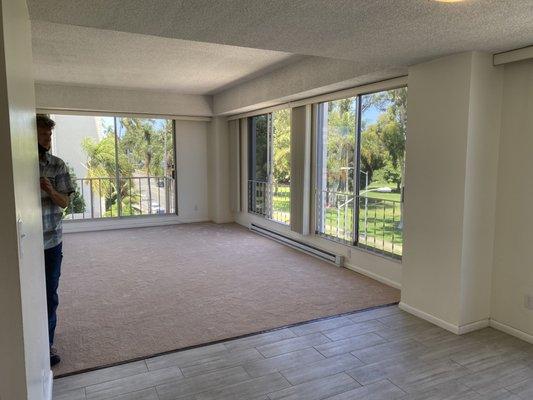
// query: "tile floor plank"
[[292, 344], [349, 344], [186, 357], [259, 340], [99, 376], [321, 326], [249, 389], [380, 390], [317, 389], [222, 361], [132, 383], [196, 384], [298, 358], [320, 369], [355, 329]]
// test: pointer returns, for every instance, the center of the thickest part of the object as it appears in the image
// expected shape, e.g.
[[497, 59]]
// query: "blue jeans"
[[52, 263]]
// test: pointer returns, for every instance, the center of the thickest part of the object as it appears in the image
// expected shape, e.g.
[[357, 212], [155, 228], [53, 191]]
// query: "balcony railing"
[[378, 221], [127, 196], [270, 200]]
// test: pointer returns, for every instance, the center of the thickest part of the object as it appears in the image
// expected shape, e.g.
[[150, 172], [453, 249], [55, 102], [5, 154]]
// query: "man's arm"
[[60, 199]]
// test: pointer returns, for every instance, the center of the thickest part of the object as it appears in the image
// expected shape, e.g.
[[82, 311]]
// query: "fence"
[[143, 195], [375, 224], [270, 200]]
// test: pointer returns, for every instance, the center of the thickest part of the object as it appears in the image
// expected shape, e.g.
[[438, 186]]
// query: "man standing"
[[56, 188]]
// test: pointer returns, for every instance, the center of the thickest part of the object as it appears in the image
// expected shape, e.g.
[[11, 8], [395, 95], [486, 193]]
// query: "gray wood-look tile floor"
[[382, 353]]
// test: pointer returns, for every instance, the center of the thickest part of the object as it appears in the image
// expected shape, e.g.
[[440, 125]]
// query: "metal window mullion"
[[357, 170], [117, 172], [174, 178], [270, 167]]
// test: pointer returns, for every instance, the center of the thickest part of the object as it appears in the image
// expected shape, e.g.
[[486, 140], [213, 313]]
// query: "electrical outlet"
[[528, 301]]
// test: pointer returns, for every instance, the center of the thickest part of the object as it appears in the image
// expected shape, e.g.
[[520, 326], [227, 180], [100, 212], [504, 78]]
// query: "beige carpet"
[[137, 292]]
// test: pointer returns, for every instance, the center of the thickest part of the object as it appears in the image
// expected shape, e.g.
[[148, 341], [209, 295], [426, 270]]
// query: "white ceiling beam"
[[507, 57]]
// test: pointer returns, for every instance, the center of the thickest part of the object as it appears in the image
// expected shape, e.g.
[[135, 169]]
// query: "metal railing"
[[111, 197], [378, 221], [270, 200]]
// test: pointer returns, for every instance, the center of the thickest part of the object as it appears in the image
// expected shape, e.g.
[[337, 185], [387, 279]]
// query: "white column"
[[218, 171], [301, 169], [25, 367], [452, 144], [234, 166]]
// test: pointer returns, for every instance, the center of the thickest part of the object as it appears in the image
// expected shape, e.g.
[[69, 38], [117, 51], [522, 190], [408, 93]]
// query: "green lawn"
[[281, 204]]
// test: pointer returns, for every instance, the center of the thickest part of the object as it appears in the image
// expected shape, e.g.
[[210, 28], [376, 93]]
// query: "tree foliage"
[[144, 149], [77, 203], [281, 146]]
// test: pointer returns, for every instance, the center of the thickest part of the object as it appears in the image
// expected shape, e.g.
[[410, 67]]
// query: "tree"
[[102, 168], [147, 144], [373, 152], [392, 127], [281, 146], [340, 145], [77, 203]]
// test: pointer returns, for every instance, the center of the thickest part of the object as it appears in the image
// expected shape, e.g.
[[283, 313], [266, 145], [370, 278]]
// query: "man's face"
[[44, 137]]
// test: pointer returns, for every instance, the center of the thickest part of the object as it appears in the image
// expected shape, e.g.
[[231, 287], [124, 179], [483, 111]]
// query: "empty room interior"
[[266, 200]]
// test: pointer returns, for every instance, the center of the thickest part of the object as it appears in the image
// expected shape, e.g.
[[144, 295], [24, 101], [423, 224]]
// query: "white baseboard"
[[374, 276], [474, 326], [511, 331], [125, 223], [457, 329], [48, 386]]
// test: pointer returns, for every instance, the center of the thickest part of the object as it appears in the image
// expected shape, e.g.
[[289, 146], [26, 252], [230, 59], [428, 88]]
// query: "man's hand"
[[60, 199], [46, 186]]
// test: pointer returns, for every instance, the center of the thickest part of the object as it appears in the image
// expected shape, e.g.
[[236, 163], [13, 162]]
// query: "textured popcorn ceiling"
[[67, 54], [401, 30], [380, 33]]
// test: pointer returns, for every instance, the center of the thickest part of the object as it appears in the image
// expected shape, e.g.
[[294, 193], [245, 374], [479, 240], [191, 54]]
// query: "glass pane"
[[146, 166], [258, 163], [259, 148], [337, 124], [383, 132], [87, 145], [281, 166]]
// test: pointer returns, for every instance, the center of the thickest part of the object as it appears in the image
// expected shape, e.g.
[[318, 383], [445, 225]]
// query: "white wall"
[[66, 97], [25, 369], [513, 256], [453, 109], [218, 171], [480, 188], [191, 161]]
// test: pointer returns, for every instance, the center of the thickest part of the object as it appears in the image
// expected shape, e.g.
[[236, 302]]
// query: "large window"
[[120, 166], [360, 157], [269, 172]]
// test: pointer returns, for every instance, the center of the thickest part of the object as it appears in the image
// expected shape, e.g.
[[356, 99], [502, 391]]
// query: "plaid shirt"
[[56, 171]]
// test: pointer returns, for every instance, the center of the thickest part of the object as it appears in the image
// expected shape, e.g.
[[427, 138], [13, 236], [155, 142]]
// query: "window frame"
[[268, 214], [317, 158], [116, 116]]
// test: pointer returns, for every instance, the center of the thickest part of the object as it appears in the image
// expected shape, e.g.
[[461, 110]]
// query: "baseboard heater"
[[295, 244]]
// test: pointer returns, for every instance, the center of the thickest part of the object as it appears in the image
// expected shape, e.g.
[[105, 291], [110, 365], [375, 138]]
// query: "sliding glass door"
[[269, 137], [360, 170], [121, 166]]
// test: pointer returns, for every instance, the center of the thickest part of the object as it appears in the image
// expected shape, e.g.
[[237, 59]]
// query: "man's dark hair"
[[44, 121]]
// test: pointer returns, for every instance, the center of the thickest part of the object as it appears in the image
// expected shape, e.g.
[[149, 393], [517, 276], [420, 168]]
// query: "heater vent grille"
[[311, 250]]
